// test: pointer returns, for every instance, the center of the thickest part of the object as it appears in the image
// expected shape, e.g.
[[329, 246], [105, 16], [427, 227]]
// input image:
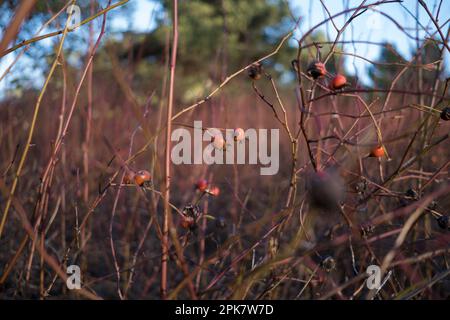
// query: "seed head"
[[255, 71], [316, 69], [328, 264], [445, 114], [443, 222]]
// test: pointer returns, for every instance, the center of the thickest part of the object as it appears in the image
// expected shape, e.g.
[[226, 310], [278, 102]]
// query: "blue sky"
[[370, 26]]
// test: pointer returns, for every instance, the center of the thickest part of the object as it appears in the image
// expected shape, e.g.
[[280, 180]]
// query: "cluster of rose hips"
[[316, 70], [141, 178], [191, 213], [203, 186], [219, 142]]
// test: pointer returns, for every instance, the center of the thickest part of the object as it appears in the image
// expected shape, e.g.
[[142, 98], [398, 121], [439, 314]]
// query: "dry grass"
[[274, 237]]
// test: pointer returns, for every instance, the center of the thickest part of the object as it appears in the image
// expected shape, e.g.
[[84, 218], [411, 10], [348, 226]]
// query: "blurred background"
[[391, 55]]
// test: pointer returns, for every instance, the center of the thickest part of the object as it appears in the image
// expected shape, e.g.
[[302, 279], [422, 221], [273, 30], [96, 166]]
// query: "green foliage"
[[391, 63], [215, 39], [383, 73]]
